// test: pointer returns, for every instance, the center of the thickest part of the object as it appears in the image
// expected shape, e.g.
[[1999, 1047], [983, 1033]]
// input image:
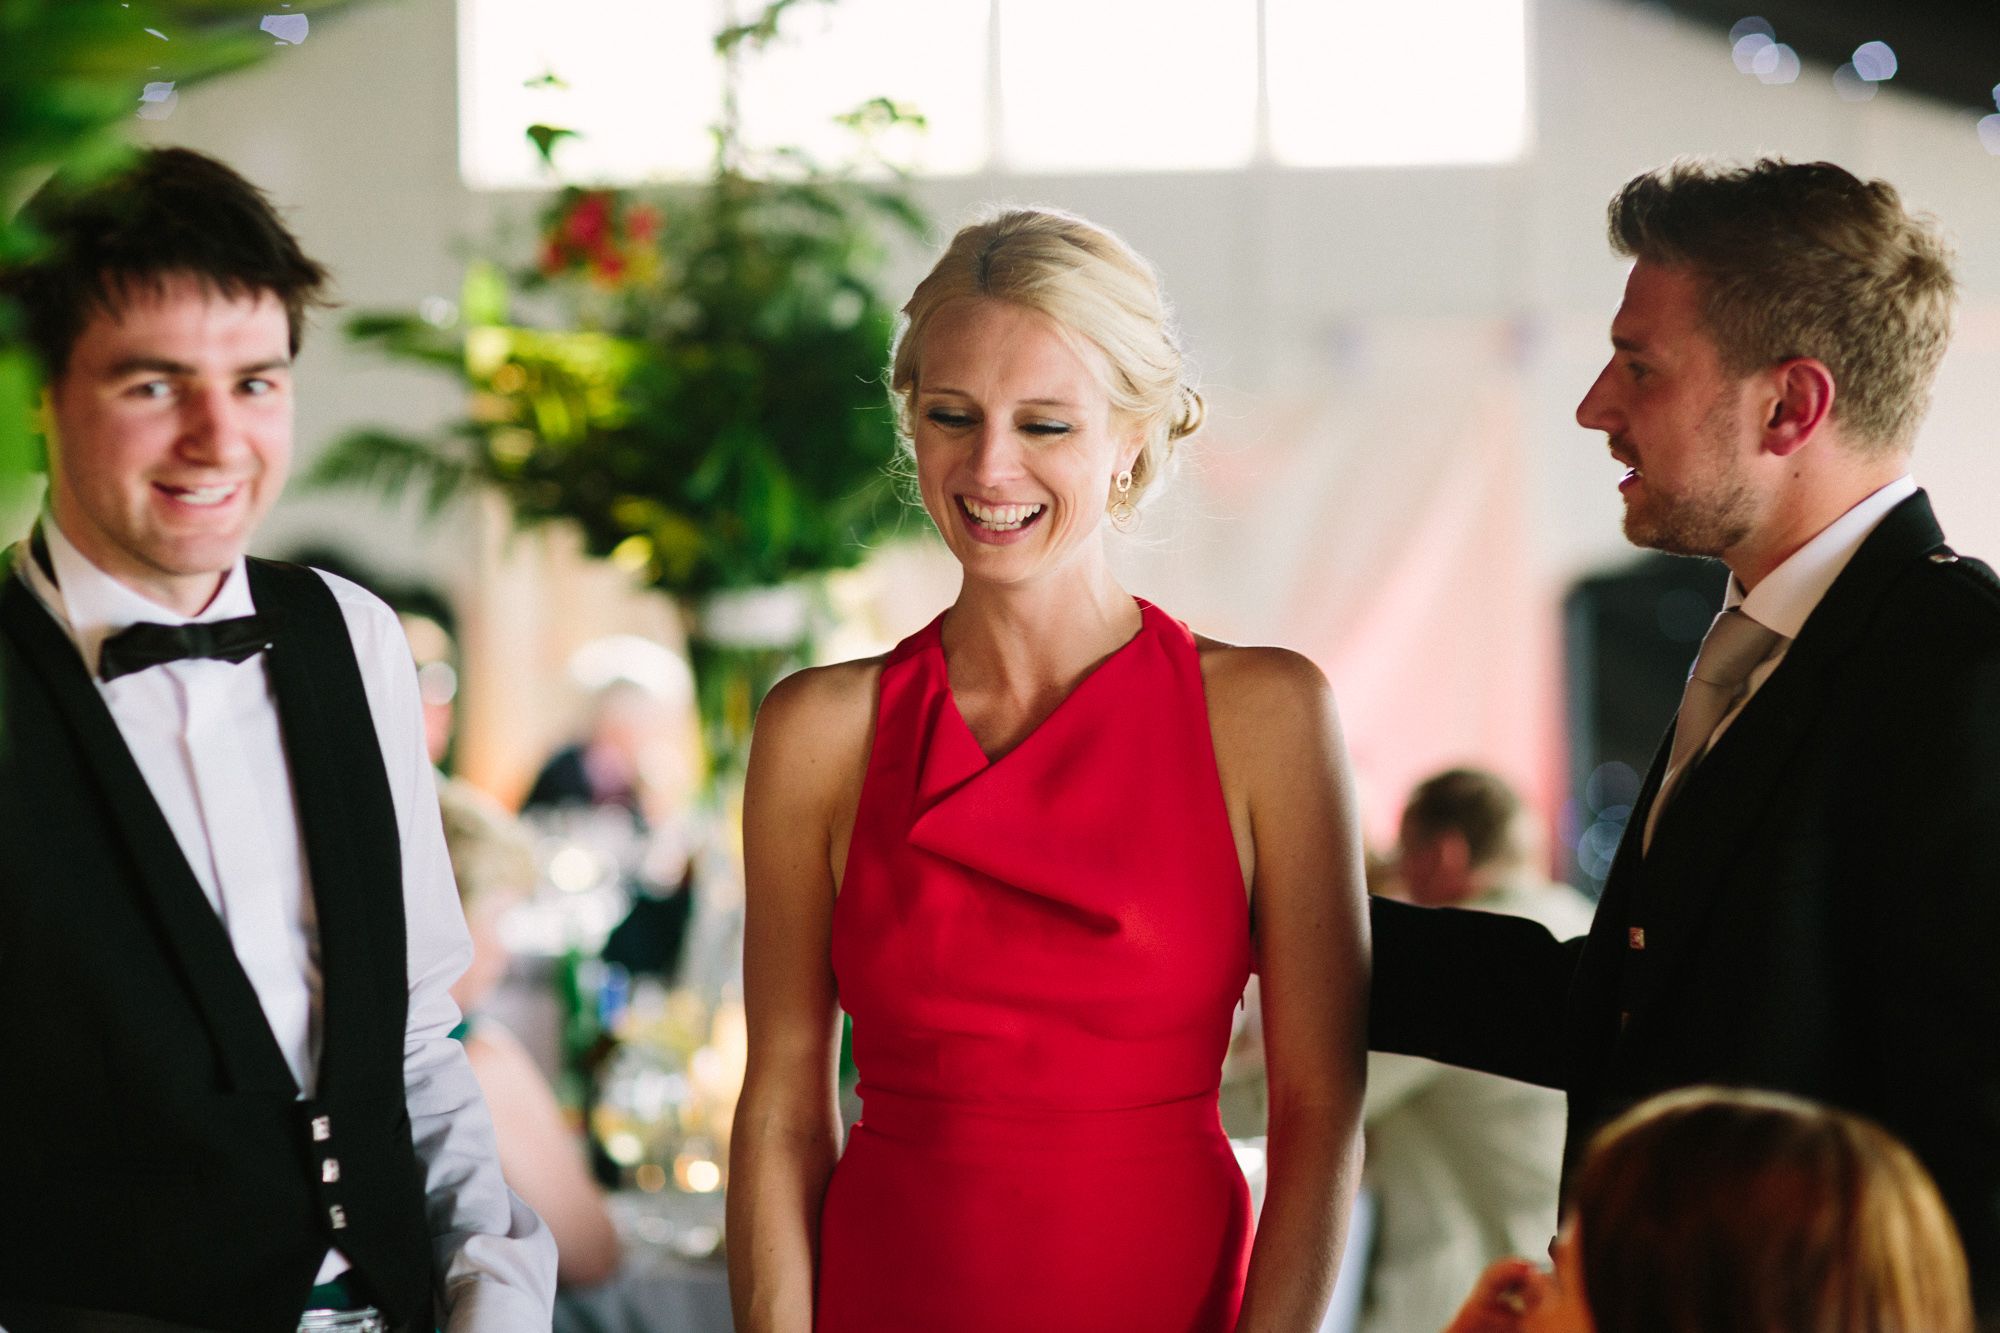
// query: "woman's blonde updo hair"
[[1096, 289]]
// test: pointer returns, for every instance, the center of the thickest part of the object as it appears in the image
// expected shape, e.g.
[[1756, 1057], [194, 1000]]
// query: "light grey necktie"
[[1733, 647]]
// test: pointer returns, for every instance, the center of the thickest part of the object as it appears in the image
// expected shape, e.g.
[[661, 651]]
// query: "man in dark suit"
[[1808, 891], [227, 921]]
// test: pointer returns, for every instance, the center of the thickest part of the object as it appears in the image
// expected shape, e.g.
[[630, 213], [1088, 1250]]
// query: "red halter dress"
[[1040, 954]]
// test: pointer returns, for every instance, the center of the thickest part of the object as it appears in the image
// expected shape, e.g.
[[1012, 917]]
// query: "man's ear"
[[1801, 402]]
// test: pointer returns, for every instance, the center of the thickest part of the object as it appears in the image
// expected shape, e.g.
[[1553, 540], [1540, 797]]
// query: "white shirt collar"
[[92, 605], [1788, 594]]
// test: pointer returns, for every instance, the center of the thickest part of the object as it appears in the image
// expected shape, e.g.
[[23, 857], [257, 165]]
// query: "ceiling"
[[1945, 49]]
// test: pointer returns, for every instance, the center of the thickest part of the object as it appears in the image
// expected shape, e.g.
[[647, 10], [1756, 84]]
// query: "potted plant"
[[692, 377]]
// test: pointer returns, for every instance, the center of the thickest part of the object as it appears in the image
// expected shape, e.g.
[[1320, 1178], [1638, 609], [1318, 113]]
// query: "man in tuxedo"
[[227, 920], [1808, 890]]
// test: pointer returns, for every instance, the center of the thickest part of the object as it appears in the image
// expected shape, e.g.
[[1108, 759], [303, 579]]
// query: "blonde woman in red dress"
[[1035, 852]]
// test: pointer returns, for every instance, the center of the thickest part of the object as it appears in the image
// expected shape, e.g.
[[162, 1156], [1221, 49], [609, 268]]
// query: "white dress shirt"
[[1786, 596], [205, 736]]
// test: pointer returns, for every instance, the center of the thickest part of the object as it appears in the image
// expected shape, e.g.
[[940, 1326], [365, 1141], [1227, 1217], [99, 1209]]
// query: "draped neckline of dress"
[[1147, 614]]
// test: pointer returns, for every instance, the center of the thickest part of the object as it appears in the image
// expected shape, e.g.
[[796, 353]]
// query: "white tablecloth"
[[673, 1279]]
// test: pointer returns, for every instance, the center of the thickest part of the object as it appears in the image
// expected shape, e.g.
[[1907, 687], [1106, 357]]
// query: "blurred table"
[[673, 1279]]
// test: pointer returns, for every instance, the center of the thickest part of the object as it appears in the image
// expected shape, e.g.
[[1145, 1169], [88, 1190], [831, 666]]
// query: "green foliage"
[[546, 137], [20, 446], [702, 393], [760, 31], [397, 463]]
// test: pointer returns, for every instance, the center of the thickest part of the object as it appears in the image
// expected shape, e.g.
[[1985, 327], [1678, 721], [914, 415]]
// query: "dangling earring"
[[1122, 510]]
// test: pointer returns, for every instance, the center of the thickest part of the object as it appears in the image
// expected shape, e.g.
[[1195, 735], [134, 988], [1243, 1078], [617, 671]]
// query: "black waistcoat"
[[155, 1158]]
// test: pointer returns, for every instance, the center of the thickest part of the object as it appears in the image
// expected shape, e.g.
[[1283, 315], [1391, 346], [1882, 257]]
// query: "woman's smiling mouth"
[[999, 518]]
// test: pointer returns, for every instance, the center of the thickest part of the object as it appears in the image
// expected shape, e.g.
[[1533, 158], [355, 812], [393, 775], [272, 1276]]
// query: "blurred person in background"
[[436, 652], [1713, 1210], [636, 756], [540, 1153], [1464, 1167], [608, 764]]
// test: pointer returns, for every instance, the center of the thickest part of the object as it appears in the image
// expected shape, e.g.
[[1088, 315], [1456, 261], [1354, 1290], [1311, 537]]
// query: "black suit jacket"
[[1820, 907]]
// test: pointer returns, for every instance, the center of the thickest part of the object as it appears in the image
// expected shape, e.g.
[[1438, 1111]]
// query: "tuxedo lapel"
[[193, 935], [1719, 807]]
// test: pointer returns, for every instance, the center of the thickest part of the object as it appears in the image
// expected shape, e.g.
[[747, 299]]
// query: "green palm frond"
[[392, 464]]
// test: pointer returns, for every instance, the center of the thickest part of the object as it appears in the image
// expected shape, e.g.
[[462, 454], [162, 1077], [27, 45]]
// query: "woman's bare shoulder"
[[1250, 678], [1270, 710], [823, 694], [820, 714]]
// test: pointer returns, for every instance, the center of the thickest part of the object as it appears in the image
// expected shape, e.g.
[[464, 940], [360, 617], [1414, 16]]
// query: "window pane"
[[834, 57], [1360, 83], [1099, 85], [642, 87]]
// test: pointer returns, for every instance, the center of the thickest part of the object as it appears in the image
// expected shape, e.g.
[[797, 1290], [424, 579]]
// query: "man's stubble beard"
[[1708, 522]]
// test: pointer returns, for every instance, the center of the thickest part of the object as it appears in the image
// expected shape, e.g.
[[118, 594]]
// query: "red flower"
[[588, 221], [642, 222]]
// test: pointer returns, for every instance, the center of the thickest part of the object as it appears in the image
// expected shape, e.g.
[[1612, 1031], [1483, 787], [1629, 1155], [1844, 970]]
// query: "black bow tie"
[[143, 645]]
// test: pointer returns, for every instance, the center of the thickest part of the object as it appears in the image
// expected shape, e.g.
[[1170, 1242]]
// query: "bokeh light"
[[1748, 48], [1752, 25], [1849, 86], [1611, 786], [1683, 614], [1777, 64], [1874, 61], [157, 101], [290, 29]]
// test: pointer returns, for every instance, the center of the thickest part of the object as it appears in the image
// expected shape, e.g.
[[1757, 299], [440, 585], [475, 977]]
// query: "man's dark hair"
[[172, 211], [1478, 806]]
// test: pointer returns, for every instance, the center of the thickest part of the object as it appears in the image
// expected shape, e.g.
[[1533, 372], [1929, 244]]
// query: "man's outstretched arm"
[[1470, 988]]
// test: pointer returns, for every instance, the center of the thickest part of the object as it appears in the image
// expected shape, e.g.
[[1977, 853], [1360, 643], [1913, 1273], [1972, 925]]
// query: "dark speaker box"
[[1629, 637]]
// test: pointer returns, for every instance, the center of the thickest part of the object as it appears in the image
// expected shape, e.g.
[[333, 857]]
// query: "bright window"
[[1092, 85], [641, 87], [1361, 83], [1078, 85], [833, 57]]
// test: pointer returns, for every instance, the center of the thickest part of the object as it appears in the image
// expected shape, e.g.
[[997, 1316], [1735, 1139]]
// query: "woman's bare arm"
[[1285, 771], [806, 763]]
